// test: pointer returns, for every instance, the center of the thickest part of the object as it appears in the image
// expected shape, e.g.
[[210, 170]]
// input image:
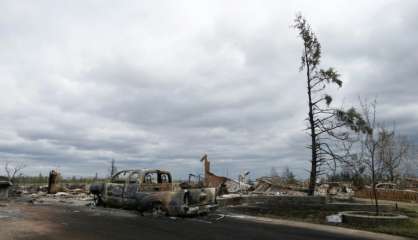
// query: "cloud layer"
[[157, 84]]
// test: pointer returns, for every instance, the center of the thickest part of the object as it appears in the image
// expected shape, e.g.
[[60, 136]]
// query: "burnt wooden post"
[[53, 182]]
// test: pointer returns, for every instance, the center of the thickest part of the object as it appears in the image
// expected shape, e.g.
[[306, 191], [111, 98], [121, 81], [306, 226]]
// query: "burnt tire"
[[187, 199], [97, 200], [157, 210]]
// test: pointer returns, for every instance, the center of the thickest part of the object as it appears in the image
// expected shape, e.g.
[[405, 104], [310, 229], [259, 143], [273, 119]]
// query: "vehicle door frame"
[[127, 198], [158, 186]]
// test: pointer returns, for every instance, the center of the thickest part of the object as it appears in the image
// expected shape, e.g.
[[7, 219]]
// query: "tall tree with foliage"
[[323, 121]]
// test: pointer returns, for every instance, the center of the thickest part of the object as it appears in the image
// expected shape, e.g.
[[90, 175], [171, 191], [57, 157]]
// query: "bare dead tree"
[[392, 151], [370, 145], [13, 169], [409, 167], [352, 152], [377, 150]]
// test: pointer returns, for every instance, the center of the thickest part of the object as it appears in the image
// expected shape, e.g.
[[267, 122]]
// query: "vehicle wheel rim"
[[157, 210]]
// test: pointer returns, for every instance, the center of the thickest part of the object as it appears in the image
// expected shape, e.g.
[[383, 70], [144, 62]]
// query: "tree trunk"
[[391, 175], [312, 179], [376, 204], [374, 188]]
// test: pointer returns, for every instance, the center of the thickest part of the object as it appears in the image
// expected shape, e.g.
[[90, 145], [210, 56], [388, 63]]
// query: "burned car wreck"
[[153, 191]]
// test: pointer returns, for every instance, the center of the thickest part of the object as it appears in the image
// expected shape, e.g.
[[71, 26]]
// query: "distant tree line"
[[43, 180]]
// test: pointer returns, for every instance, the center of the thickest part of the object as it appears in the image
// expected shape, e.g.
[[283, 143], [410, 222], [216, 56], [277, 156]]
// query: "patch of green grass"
[[311, 215], [407, 229]]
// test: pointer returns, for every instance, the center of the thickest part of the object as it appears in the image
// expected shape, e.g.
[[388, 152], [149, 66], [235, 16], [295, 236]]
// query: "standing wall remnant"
[[5, 184], [211, 180], [222, 184], [53, 182]]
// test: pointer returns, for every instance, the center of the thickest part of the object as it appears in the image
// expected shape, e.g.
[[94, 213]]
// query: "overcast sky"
[[156, 84]]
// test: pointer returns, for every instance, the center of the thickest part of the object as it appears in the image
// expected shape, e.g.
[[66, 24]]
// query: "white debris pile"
[[336, 218], [336, 190], [72, 198]]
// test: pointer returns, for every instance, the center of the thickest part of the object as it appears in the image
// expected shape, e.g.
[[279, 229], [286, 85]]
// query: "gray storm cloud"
[[157, 84]]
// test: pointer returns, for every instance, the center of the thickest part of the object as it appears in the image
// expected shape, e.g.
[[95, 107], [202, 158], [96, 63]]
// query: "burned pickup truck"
[[153, 191]]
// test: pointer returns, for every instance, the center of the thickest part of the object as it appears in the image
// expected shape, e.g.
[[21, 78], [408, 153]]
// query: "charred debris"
[[154, 191]]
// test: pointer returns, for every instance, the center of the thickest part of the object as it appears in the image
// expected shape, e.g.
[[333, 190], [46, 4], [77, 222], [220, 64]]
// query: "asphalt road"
[[26, 221]]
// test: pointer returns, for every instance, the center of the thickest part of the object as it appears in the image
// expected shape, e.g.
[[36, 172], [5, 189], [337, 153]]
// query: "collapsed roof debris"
[[341, 190], [275, 186]]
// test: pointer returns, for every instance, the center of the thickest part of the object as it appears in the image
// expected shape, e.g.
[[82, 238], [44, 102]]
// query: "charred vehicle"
[[153, 190]]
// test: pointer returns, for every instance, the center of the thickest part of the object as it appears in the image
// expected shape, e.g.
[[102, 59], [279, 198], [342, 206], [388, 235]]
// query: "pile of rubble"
[[268, 186], [339, 190], [54, 192], [275, 186], [61, 197], [224, 185]]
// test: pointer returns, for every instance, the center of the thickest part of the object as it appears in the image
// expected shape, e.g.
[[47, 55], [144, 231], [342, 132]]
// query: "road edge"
[[319, 227]]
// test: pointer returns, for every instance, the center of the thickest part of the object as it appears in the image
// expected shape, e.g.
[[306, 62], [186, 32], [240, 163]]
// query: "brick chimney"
[[206, 164]]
